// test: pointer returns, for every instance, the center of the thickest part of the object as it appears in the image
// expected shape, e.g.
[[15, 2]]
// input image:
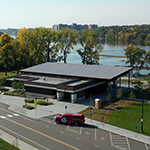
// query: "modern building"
[[73, 82]]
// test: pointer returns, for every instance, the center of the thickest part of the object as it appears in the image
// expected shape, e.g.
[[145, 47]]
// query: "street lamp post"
[[142, 111]]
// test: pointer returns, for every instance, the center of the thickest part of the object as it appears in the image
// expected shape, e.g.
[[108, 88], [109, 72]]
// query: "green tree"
[[24, 46], [148, 85], [119, 93], [2, 83], [132, 95], [20, 55], [6, 51], [91, 49], [148, 59], [51, 46], [136, 57], [91, 101], [37, 45], [67, 39], [108, 98], [18, 86], [147, 39]]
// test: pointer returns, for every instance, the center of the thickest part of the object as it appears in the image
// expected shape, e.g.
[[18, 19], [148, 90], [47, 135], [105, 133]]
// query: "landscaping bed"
[[127, 117], [31, 101]]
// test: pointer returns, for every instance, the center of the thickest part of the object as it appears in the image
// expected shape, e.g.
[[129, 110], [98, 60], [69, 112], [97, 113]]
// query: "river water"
[[116, 50]]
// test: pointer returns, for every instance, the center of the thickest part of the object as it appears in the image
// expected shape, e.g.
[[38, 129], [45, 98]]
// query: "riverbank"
[[112, 56]]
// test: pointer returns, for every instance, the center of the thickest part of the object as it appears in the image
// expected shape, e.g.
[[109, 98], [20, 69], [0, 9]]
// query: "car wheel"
[[57, 121], [76, 123]]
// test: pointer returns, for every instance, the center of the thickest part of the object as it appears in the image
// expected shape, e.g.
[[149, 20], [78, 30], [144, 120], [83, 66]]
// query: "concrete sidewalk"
[[16, 105]]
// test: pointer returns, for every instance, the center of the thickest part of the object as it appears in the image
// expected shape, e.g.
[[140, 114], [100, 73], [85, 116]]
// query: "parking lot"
[[99, 137]]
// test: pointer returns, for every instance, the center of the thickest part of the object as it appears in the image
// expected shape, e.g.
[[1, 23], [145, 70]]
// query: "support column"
[[73, 98], [60, 96], [115, 83], [128, 80], [109, 87]]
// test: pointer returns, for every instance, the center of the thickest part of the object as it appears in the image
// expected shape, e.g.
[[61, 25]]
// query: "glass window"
[[64, 116]]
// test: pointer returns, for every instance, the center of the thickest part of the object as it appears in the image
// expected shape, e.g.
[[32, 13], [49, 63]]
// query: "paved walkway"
[[16, 104]]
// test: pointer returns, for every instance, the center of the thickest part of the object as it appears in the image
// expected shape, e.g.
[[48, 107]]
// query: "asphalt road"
[[49, 135]]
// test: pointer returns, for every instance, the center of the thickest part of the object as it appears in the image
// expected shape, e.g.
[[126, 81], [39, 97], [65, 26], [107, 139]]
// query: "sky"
[[46, 13]]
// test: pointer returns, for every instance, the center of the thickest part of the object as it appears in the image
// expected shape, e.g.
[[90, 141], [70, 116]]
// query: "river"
[[116, 50]]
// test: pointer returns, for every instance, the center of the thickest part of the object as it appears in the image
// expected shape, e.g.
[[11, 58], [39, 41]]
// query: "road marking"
[[96, 146], [95, 133], [43, 134], [61, 132], [77, 138], [146, 146], [102, 139], [47, 126], [9, 116], [120, 142], [111, 139], [128, 143], [81, 130], [3, 117], [16, 114], [74, 131], [87, 133]]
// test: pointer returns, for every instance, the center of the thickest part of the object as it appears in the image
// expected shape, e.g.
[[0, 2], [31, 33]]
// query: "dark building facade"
[[72, 82]]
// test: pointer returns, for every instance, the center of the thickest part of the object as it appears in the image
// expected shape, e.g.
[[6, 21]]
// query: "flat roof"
[[78, 70], [56, 81]]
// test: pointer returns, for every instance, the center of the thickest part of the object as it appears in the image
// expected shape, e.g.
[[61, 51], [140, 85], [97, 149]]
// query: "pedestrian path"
[[9, 116]]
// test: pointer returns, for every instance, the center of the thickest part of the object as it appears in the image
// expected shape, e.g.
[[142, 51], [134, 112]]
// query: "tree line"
[[35, 46], [137, 58], [137, 34]]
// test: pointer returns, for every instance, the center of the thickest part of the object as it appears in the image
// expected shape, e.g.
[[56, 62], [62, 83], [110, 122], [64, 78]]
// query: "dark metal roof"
[[79, 70]]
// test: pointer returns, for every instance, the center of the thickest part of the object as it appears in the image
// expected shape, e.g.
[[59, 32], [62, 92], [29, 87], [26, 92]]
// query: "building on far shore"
[[72, 82], [75, 26]]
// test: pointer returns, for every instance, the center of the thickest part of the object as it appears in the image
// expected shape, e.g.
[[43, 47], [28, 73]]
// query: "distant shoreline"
[[112, 56]]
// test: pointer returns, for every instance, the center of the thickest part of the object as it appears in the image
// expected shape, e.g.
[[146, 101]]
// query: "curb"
[[121, 133]]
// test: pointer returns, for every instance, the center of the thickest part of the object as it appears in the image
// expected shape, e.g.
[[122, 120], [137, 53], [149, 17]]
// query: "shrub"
[[29, 100], [42, 102], [22, 95], [28, 107], [9, 93]]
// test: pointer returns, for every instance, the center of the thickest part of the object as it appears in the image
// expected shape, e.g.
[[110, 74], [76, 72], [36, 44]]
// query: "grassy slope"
[[130, 117], [9, 74], [6, 146]]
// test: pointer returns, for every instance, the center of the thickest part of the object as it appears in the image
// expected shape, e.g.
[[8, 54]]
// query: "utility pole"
[[142, 111]]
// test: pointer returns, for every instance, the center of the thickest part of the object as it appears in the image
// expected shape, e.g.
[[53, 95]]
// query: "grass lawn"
[[9, 74], [127, 117], [6, 146]]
